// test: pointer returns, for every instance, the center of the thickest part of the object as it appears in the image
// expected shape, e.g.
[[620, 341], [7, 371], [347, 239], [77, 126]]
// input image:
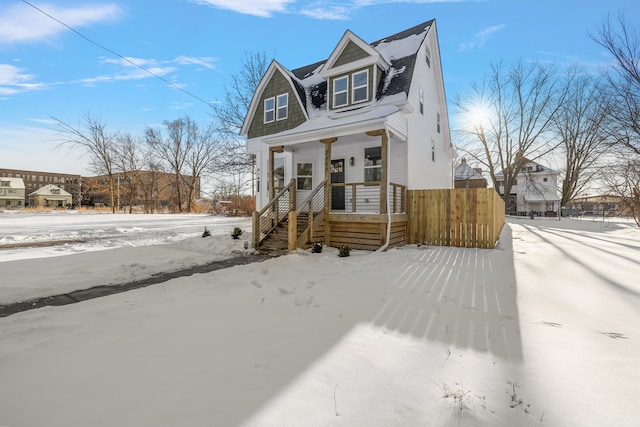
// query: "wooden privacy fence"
[[461, 217]]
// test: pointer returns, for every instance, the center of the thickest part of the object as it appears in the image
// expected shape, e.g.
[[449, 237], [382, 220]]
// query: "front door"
[[337, 177]]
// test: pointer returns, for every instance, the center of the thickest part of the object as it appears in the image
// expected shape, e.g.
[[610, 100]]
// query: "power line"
[[146, 70]]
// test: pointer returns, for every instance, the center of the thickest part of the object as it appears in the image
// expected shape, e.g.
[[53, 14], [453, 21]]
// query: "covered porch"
[[340, 190]]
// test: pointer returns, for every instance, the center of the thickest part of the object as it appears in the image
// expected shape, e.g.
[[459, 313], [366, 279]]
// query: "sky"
[[137, 63]]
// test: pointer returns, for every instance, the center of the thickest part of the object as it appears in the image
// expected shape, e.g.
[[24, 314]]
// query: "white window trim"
[[335, 93], [298, 177], [285, 106], [272, 110], [354, 87]]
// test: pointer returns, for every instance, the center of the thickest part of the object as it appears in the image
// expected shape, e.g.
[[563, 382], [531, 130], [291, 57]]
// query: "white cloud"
[[13, 80], [263, 8], [481, 37], [205, 61], [326, 11], [22, 23]]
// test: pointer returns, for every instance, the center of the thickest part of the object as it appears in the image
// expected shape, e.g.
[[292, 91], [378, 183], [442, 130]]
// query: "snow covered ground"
[[542, 331]]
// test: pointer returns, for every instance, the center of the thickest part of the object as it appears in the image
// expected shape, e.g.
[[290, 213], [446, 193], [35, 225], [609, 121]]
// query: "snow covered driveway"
[[541, 331]]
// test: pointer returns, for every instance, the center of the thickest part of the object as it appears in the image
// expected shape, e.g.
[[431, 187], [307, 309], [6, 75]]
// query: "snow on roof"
[[464, 171], [50, 190], [13, 182]]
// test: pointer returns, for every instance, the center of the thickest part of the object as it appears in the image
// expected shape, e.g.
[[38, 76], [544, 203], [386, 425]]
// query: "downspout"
[[386, 243]]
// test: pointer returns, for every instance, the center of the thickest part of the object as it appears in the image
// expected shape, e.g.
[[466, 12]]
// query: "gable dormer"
[[277, 104], [352, 72]]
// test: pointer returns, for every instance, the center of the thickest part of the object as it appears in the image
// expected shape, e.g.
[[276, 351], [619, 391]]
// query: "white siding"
[[423, 171]]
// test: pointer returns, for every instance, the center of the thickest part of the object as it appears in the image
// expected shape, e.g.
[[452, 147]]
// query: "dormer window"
[[340, 91], [361, 86], [269, 109], [283, 106]]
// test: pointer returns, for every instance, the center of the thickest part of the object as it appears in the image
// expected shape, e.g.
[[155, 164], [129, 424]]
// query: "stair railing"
[[310, 209], [274, 212]]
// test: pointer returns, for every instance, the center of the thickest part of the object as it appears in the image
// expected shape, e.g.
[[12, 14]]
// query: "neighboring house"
[[50, 196], [37, 179], [12, 193], [467, 177], [534, 191], [343, 139]]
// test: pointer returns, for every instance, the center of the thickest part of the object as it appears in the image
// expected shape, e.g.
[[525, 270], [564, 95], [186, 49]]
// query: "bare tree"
[[174, 149], [128, 163], [518, 103], [229, 114], [622, 41], [96, 142], [203, 156], [581, 124]]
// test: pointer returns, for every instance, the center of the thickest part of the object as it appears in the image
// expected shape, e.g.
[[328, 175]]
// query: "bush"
[[237, 232], [317, 248], [206, 233], [344, 251]]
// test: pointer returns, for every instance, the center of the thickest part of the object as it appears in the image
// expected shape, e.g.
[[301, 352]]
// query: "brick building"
[[34, 180]]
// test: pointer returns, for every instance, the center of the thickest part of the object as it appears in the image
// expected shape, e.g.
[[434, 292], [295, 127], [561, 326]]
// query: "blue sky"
[[48, 70]]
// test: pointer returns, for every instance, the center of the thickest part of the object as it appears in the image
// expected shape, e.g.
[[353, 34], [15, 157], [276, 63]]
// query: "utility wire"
[[146, 70]]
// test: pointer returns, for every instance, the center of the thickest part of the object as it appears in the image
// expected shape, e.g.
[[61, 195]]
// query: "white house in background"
[[12, 193], [50, 196], [359, 128], [535, 190]]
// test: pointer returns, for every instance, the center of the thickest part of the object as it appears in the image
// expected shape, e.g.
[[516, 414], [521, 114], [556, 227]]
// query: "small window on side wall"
[[305, 176], [421, 101], [372, 164], [269, 109]]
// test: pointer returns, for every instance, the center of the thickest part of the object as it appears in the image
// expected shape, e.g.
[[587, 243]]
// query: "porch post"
[[384, 175], [270, 178], [327, 194]]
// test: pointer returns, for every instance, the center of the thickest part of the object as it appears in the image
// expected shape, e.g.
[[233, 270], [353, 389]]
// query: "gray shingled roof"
[[396, 80]]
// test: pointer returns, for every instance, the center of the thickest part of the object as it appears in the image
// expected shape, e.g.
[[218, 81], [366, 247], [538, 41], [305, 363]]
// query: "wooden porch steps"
[[277, 243]]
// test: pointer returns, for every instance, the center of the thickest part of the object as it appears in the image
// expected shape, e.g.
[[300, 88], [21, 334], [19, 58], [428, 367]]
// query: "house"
[[535, 190], [50, 196], [337, 143], [12, 192], [467, 177], [36, 179]]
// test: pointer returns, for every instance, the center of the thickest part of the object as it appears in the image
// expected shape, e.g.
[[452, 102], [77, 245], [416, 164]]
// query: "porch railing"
[[274, 213], [310, 209], [364, 197]]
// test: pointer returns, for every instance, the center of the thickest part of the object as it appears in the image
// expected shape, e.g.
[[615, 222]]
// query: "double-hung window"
[[305, 176], [283, 106], [269, 109], [372, 164], [340, 91], [360, 83]]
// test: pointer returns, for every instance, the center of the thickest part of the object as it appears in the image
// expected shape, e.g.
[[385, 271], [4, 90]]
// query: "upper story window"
[[283, 106], [340, 91], [269, 109], [4, 184], [438, 121], [428, 56], [360, 86], [421, 101]]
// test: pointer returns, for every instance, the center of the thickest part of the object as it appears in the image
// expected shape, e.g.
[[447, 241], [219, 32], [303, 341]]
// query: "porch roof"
[[547, 196], [337, 125]]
